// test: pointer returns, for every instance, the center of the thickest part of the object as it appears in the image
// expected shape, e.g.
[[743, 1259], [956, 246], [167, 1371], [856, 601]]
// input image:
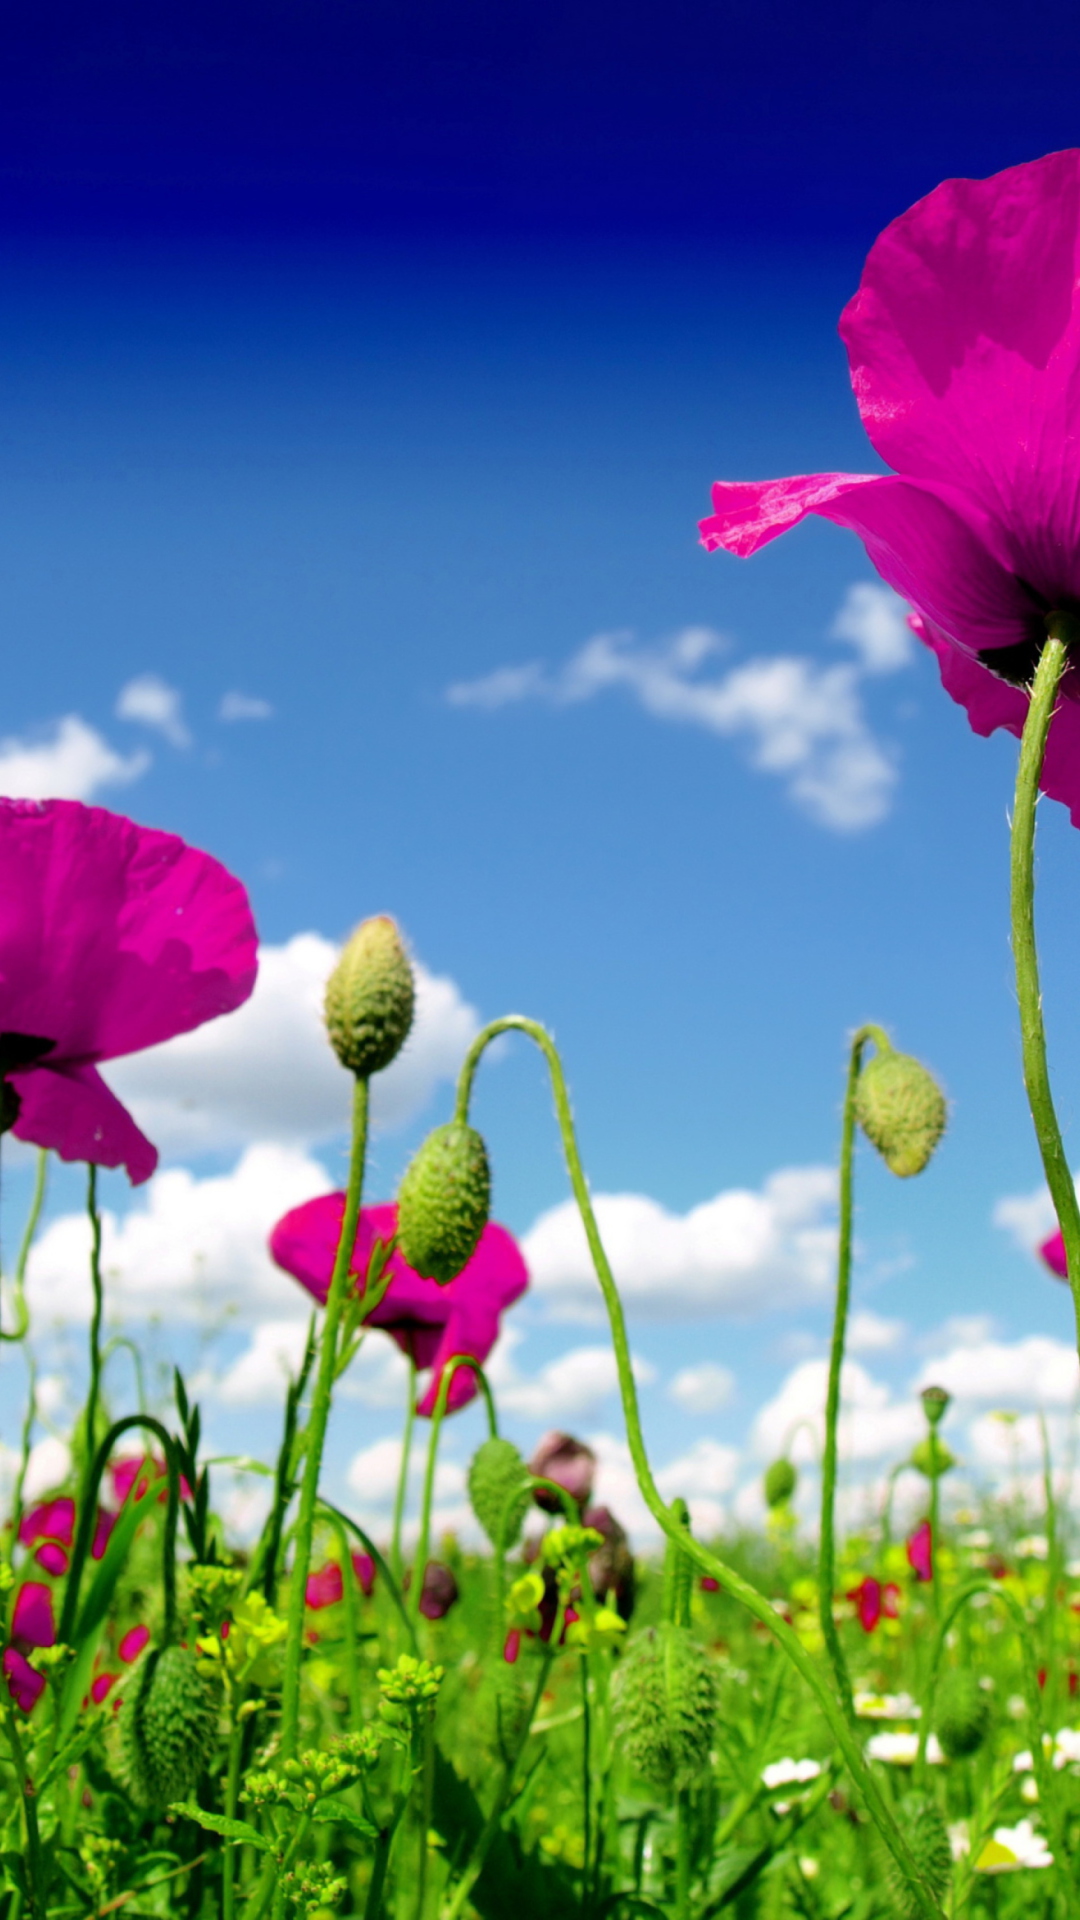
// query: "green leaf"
[[237, 1830], [331, 1812], [512, 1884]]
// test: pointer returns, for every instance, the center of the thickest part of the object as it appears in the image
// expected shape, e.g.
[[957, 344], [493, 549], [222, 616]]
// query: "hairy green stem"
[[707, 1561], [348, 1595], [438, 1414], [35, 1860], [22, 1311], [93, 1395], [316, 1433], [402, 1488], [1061, 629]]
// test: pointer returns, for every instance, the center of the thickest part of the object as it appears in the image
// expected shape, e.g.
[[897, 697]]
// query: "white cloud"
[[802, 721], [869, 1333], [1028, 1217], [71, 763], [873, 620], [742, 1252], [872, 1423], [48, 1466], [188, 1248], [244, 706], [151, 702], [378, 1376], [704, 1388], [373, 1477], [1036, 1371], [566, 1387], [702, 1475], [267, 1072]]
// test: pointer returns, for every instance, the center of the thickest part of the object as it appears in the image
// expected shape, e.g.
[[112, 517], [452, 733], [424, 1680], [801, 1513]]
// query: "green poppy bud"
[[666, 1706], [931, 1457], [963, 1714], [935, 1404], [500, 1488], [925, 1832], [167, 1727], [370, 998], [901, 1109], [780, 1482], [444, 1201]]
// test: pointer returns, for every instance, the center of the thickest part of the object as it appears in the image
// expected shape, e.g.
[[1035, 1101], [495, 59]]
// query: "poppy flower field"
[[536, 1720]]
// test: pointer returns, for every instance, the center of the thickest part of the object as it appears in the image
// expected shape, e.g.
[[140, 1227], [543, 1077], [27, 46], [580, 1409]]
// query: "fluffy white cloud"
[[378, 1377], [869, 1333], [873, 620], [802, 721], [267, 1072], [566, 1387], [1028, 1217], [47, 1468], [1037, 1371], [151, 702], [187, 1248], [872, 1424], [72, 762], [742, 1252], [373, 1477], [702, 1476], [704, 1388], [244, 706]]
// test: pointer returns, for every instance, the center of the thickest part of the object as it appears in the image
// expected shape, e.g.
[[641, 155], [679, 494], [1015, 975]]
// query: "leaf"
[[70, 1753], [331, 1812], [512, 1884], [238, 1830]]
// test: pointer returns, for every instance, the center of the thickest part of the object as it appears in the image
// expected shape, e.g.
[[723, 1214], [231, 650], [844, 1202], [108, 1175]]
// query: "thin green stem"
[[438, 1413], [827, 1539], [87, 1518], [708, 1562], [401, 1491], [935, 1523], [35, 1860], [232, 1799], [586, 1779], [316, 1433], [682, 1854], [348, 1595], [1061, 629], [29, 1419], [93, 1395], [22, 1311]]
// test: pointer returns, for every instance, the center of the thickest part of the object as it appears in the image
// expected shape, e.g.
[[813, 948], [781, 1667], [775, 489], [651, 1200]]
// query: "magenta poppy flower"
[[133, 1643], [141, 1471], [102, 1686], [364, 1569], [113, 937], [868, 1600], [920, 1552], [1053, 1252], [52, 1558], [24, 1683], [32, 1622], [51, 1520], [964, 347], [325, 1586], [430, 1322], [103, 1527]]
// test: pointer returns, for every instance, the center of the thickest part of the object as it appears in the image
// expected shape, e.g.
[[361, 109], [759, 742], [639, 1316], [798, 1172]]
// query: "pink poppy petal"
[[71, 1110], [52, 1558], [24, 1683], [1053, 1252], [133, 1643], [964, 343], [32, 1620], [920, 1552], [102, 1686], [103, 1527], [325, 1586], [364, 1569]]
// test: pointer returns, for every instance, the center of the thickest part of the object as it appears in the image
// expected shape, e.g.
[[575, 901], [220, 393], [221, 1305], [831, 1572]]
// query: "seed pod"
[[444, 1201], [370, 998], [963, 1714], [780, 1482], [935, 1404], [666, 1706], [901, 1109], [931, 1457], [924, 1830], [499, 1491], [167, 1727]]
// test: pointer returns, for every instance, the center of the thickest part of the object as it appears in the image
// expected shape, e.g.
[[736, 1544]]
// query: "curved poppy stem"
[[1053, 660], [22, 1312], [438, 1412], [317, 1424], [93, 1394], [708, 1562]]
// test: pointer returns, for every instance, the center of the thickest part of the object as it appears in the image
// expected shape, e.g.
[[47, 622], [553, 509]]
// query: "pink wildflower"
[[52, 1520], [52, 1558], [24, 1683], [920, 1552], [964, 347], [113, 937], [512, 1646], [102, 1686], [133, 1643], [325, 1587], [364, 1569], [32, 1621], [430, 1322], [141, 1472], [868, 1601]]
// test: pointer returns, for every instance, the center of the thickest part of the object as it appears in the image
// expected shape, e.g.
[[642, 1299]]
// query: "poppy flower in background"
[[964, 347], [132, 1644], [430, 1322], [32, 1621], [53, 1524], [113, 937], [24, 1683], [875, 1602], [920, 1552], [325, 1587], [569, 1463], [1053, 1252]]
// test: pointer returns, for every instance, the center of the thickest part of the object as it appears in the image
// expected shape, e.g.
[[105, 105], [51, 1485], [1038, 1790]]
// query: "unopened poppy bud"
[[780, 1482], [370, 997], [963, 1714], [935, 1404], [167, 1727], [931, 1457], [924, 1830], [439, 1592], [666, 1705], [443, 1202], [499, 1491], [901, 1109]]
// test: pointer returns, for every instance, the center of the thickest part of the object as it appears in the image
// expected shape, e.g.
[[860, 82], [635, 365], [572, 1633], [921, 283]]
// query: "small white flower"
[[1066, 1746], [886, 1706], [809, 1868], [901, 1749], [787, 1772], [978, 1539], [1034, 1546], [959, 1839], [1030, 1790], [1012, 1848]]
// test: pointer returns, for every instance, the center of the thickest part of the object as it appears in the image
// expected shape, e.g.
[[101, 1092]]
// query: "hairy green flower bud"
[[924, 1830], [901, 1110], [935, 1404], [666, 1705], [167, 1727], [500, 1488], [931, 1457], [443, 1202], [780, 1482], [370, 997], [963, 1714]]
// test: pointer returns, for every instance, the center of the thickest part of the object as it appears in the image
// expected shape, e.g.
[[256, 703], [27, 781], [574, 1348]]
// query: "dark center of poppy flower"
[[17, 1050], [1017, 663]]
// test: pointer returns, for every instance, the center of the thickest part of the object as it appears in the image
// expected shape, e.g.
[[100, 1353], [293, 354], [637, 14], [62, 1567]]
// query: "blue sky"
[[288, 419]]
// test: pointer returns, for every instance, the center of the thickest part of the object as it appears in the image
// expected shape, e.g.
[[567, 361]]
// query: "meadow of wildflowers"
[[319, 1721]]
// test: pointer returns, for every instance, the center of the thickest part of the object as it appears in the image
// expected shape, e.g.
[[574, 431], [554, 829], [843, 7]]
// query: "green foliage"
[[500, 1490]]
